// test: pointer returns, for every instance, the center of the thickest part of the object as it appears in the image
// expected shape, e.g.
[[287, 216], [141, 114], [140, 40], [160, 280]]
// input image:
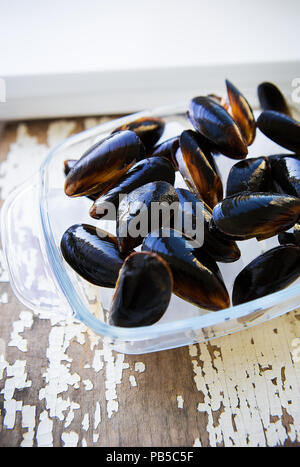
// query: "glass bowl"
[[35, 216]]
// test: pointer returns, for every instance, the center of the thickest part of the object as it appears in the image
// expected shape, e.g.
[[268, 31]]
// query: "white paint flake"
[[70, 439], [139, 367], [4, 298], [23, 160], [85, 422], [97, 416], [180, 402], [25, 321], [296, 350], [28, 421], [58, 377], [3, 271], [132, 381], [44, 437], [88, 385]]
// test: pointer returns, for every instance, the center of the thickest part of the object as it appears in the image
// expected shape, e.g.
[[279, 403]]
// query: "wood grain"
[[60, 385]]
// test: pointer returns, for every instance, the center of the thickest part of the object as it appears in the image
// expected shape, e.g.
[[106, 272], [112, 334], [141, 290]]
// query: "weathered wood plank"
[[60, 385]]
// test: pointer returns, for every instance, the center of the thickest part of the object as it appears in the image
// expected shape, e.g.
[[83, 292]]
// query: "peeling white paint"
[[244, 390], [296, 350], [139, 367], [25, 321], [132, 381], [28, 421], [70, 439], [97, 416], [58, 377], [4, 298], [197, 443], [3, 271], [44, 437], [180, 402], [88, 385], [86, 422]]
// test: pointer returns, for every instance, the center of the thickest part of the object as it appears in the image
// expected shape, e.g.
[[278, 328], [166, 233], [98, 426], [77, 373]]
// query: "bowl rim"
[[141, 333]]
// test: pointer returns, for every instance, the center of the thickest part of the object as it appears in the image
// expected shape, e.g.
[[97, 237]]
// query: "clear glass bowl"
[[36, 215]]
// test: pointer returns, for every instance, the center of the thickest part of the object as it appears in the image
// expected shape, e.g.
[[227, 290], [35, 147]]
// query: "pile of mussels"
[[262, 199]]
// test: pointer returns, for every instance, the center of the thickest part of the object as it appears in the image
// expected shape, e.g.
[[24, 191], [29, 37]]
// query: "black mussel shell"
[[286, 173], [144, 209], [143, 291], [214, 123], [197, 171], [285, 238], [281, 129], [196, 276], [193, 211], [104, 164], [253, 175], [297, 232], [271, 98], [261, 215], [268, 273], [93, 254], [68, 165], [241, 112], [166, 149], [149, 130], [144, 171]]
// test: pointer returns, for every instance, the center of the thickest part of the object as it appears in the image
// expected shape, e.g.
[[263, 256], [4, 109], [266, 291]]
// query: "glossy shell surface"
[[260, 215], [143, 291], [197, 278], [214, 122], [268, 273], [104, 164], [97, 259]]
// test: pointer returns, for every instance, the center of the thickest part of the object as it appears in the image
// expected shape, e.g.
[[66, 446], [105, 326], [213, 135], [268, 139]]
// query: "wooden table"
[[61, 386]]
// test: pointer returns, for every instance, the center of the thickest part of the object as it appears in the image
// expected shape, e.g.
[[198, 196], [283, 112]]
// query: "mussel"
[[144, 171], [166, 149], [146, 208], [281, 129], [93, 254], [196, 276], [285, 238], [68, 165], [253, 175], [286, 173], [220, 249], [197, 171], [149, 130], [213, 121], [261, 215], [297, 232], [268, 273], [104, 164], [143, 291], [271, 98], [241, 112]]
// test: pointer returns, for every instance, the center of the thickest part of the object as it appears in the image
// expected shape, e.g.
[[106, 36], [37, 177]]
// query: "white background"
[[87, 40]]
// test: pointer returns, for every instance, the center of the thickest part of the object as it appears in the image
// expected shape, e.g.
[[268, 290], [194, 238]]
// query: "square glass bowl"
[[35, 217]]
